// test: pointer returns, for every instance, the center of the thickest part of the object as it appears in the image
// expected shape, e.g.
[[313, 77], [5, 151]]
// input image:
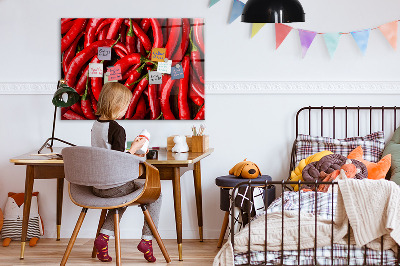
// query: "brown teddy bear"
[[245, 169]]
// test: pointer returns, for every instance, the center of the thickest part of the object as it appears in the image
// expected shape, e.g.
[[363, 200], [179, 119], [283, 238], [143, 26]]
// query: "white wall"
[[259, 127]]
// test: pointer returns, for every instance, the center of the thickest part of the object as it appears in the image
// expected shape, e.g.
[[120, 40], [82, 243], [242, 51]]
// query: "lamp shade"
[[273, 11], [65, 96]]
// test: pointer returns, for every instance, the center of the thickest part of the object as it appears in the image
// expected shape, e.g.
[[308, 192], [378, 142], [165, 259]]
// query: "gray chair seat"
[[82, 195]]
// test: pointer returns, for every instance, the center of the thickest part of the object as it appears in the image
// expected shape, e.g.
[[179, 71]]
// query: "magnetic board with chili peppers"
[[132, 41]]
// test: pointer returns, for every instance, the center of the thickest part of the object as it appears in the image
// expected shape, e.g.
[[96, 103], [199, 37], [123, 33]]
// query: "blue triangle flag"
[[332, 41], [237, 8], [213, 2], [361, 37]]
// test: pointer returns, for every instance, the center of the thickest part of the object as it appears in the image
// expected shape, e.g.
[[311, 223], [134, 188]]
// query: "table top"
[[164, 157]]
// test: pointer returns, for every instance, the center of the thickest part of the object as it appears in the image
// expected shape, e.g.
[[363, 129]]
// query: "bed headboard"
[[344, 121]]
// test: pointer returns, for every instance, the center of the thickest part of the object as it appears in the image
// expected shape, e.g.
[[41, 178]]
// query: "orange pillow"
[[375, 170]]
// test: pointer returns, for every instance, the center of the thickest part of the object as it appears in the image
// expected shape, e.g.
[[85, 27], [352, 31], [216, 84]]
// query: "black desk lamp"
[[64, 97], [273, 11]]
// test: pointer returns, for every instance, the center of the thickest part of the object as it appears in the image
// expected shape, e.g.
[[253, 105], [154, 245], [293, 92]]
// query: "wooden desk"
[[169, 165]]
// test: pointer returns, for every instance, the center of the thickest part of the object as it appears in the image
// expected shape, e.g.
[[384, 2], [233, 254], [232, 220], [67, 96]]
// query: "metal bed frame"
[[283, 184]]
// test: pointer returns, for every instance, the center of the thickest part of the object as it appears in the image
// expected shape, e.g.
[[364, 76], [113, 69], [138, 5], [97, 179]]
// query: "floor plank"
[[49, 252]]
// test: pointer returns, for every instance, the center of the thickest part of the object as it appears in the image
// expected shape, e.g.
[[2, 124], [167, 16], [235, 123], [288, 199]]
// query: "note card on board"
[[115, 73], [177, 72], [155, 77], [158, 54], [95, 70], [104, 53]]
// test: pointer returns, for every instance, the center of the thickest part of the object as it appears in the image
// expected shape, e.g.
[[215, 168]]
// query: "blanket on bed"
[[371, 206]]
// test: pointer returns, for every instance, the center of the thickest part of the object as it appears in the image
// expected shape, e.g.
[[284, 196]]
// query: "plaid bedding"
[[322, 207], [372, 145]]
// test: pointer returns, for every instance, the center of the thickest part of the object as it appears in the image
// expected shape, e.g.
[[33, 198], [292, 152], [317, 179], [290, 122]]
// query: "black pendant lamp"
[[273, 11]]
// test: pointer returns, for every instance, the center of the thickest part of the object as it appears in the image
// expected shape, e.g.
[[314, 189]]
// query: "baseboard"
[[247, 87]]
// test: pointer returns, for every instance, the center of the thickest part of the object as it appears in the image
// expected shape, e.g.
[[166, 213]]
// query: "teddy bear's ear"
[[239, 169], [10, 194]]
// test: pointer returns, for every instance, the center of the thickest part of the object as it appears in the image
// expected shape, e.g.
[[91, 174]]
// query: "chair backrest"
[[91, 166]]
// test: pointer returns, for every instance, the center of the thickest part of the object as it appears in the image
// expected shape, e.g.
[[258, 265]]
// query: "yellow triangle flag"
[[256, 28]]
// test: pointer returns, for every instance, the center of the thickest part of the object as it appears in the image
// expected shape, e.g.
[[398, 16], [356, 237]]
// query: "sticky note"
[[155, 77], [95, 70], [115, 73], [106, 78], [104, 53], [177, 72], [164, 67], [158, 54]]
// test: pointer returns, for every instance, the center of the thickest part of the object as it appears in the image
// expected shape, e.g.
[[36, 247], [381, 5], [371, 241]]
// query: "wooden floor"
[[50, 252]]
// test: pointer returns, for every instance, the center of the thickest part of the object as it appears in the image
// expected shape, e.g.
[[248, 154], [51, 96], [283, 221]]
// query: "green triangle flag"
[[256, 28], [213, 2], [332, 41]]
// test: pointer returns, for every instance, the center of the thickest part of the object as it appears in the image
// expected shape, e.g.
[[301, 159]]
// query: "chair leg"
[[101, 222], [117, 239], [73, 237], [223, 229], [154, 230]]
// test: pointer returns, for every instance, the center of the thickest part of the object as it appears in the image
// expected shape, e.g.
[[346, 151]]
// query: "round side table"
[[226, 183]]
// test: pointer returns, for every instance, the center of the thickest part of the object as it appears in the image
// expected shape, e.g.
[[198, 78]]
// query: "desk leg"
[[27, 206], [60, 190], [176, 182], [199, 204]]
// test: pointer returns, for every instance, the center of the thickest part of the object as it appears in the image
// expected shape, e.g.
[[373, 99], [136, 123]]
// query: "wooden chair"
[[85, 167]]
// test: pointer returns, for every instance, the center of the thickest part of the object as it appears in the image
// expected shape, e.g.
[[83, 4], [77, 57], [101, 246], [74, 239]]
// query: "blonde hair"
[[113, 98]]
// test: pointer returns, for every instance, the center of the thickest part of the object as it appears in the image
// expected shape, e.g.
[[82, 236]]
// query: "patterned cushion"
[[372, 144]]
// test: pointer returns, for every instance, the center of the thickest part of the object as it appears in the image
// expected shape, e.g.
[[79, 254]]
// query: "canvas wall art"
[[161, 60]]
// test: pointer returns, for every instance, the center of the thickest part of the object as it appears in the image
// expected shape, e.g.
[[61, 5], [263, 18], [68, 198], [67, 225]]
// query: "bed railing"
[[265, 185]]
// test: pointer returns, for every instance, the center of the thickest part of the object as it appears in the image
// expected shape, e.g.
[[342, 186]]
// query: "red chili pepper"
[[183, 106], [168, 83], [122, 47], [130, 40], [157, 33], [154, 104], [114, 28], [195, 57], [90, 35], [69, 54], [77, 108], [141, 35], [86, 103], [70, 115], [96, 82], [129, 60], [76, 29], [120, 53], [200, 114], [129, 72], [196, 92], [103, 33], [130, 82], [182, 48], [94, 103], [145, 25], [198, 32], [65, 27], [103, 24], [80, 85], [122, 31], [80, 60], [137, 92], [140, 110], [66, 20], [176, 25]]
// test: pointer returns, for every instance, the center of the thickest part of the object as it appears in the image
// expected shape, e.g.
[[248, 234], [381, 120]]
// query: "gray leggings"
[[154, 208]]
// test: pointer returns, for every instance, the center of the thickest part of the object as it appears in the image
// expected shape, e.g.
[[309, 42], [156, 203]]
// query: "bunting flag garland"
[[281, 31], [332, 41], [361, 37], [213, 2], [256, 27], [306, 39], [237, 8], [389, 30]]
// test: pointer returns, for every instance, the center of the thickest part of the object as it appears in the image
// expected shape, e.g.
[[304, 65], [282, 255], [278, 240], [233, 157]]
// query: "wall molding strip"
[[248, 87]]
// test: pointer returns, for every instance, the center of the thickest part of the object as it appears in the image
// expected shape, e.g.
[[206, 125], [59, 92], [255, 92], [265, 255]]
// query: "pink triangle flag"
[[306, 39], [281, 31], [389, 30]]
